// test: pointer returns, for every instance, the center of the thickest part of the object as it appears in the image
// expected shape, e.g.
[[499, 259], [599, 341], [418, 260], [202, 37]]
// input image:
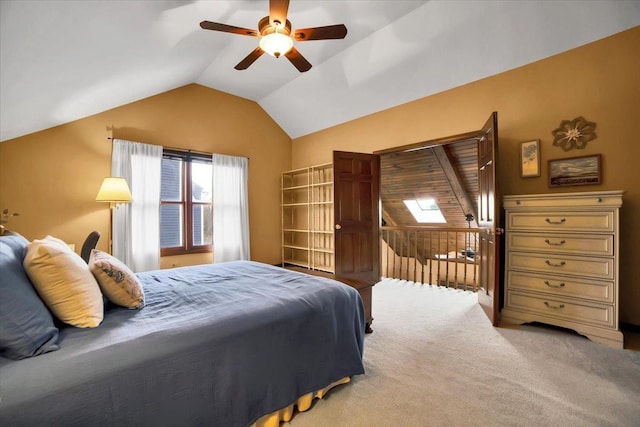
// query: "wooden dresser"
[[562, 262]]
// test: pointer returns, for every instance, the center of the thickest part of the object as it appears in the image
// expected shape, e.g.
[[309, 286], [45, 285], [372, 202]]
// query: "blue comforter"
[[219, 344]]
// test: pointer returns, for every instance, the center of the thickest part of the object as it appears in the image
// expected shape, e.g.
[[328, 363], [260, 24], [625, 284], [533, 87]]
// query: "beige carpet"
[[435, 360]]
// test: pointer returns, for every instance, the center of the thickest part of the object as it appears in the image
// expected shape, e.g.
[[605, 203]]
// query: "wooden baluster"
[[456, 281], [408, 244], [446, 264], [384, 268], [422, 237], [395, 250], [438, 262], [415, 255]]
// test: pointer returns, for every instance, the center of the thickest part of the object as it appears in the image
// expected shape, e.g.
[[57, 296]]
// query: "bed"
[[224, 344]]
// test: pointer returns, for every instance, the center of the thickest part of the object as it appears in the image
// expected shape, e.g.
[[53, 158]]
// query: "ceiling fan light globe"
[[276, 44]]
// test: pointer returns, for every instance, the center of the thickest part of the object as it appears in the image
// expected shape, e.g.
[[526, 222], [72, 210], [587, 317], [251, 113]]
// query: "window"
[[186, 209], [425, 210]]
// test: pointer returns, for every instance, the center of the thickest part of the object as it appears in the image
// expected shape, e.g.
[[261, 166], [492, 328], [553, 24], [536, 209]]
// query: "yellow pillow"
[[64, 282], [119, 284]]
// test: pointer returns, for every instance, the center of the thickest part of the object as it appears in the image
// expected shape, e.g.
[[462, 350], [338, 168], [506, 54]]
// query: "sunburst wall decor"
[[574, 133]]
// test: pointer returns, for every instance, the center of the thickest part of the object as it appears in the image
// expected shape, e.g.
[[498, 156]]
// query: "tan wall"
[[51, 177], [599, 81]]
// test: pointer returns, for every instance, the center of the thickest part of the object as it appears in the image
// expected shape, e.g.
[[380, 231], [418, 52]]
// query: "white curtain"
[[230, 208], [136, 225]]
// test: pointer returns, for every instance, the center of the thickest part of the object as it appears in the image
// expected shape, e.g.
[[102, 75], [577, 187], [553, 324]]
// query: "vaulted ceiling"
[[64, 60], [448, 174]]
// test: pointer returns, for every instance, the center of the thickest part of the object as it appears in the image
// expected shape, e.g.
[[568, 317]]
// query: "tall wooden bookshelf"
[[307, 218]]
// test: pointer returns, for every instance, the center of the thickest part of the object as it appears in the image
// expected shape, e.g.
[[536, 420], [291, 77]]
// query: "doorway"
[[441, 174], [437, 179]]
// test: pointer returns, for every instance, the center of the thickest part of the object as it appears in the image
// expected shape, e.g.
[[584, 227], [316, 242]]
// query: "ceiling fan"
[[276, 37]]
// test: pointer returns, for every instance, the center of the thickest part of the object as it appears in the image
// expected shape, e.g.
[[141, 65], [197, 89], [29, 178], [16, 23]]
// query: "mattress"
[[220, 344]]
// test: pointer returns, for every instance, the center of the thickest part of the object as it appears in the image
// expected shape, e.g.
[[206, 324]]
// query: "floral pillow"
[[117, 282]]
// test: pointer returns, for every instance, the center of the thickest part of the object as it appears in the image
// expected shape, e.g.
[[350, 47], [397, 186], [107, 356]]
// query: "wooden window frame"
[[187, 158]]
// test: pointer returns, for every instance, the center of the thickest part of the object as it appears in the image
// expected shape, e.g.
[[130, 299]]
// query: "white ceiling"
[[64, 60]]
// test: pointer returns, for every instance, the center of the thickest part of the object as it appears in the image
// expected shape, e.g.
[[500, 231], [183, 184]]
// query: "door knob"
[[338, 226]]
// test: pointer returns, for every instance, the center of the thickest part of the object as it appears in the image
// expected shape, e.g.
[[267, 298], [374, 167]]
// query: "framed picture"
[[575, 171], [530, 159]]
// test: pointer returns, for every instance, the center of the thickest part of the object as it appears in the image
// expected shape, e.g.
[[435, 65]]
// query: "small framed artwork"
[[581, 170], [530, 159]]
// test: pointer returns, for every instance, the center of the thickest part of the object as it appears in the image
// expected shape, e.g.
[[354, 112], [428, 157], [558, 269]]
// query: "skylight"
[[425, 211]]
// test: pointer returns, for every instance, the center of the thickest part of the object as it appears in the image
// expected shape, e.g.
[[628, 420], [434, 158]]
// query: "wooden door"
[[357, 215], [488, 220]]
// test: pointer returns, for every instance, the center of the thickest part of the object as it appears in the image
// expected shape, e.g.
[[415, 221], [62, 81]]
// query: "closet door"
[[357, 215]]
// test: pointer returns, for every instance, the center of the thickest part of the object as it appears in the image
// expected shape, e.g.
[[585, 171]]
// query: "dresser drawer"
[[579, 244], [599, 291], [561, 221], [601, 268], [566, 309]]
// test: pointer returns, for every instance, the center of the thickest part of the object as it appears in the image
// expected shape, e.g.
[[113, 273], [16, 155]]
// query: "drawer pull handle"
[[555, 307], [562, 221], [560, 285], [549, 263], [560, 243]]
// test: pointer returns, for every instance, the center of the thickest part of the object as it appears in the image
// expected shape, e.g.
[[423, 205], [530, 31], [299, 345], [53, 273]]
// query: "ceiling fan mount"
[[265, 26], [276, 37]]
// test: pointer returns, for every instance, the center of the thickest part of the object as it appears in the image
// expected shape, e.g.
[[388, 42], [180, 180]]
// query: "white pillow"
[[64, 282], [117, 282]]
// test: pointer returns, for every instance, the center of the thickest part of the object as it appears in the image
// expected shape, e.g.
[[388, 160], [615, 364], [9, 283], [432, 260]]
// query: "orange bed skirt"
[[303, 403]]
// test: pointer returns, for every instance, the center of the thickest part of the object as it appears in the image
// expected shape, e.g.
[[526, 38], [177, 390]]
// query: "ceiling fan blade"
[[320, 33], [278, 11], [298, 60], [215, 26], [249, 59]]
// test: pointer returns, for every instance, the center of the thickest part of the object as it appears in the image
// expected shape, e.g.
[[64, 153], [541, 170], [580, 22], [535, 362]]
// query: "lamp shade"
[[276, 44], [114, 190]]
